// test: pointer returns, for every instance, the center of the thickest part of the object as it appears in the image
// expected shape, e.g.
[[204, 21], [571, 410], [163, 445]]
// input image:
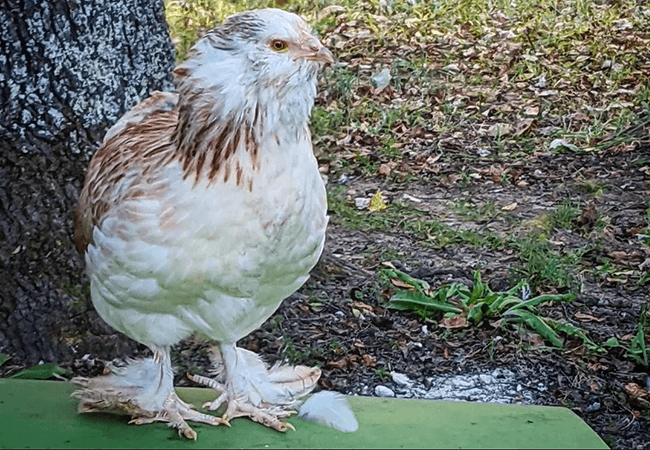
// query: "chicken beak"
[[322, 55], [314, 52]]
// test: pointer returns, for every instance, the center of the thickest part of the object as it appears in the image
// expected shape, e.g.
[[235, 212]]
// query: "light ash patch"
[[497, 386]]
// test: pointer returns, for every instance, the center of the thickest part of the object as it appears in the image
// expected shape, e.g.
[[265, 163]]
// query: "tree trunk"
[[68, 70]]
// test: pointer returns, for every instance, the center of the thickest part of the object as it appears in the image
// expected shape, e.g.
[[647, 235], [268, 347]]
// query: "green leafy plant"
[[382, 373], [637, 351], [479, 302], [40, 372]]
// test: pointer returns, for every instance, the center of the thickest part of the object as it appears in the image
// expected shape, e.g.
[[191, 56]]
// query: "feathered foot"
[[142, 389], [252, 390]]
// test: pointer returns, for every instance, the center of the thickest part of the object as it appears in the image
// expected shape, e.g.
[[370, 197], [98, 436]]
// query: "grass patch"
[[470, 70], [540, 263]]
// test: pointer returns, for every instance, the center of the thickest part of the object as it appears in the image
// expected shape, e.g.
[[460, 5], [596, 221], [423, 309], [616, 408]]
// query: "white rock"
[[381, 79], [383, 391], [555, 143], [362, 202], [401, 379]]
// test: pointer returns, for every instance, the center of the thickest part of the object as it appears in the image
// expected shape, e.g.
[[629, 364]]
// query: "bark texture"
[[68, 70]]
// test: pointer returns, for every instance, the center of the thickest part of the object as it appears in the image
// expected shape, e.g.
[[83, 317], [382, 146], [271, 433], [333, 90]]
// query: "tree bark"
[[68, 71]]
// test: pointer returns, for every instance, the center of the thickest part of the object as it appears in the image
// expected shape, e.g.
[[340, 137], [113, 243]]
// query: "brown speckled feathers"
[[159, 131]]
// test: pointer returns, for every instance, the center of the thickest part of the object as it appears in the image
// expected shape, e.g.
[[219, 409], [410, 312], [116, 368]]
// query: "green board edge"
[[41, 414]]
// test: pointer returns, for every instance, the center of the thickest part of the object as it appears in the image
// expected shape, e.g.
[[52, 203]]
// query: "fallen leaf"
[[400, 284], [596, 366], [523, 126], [377, 202], [531, 110], [588, 318], [623, 24], [454, 322], [340, 364], [638, 395], [385, 169], [368, 360], [589, 216], [533, 338], [332, 9], [363, 306], [358, 344], [510, 207], [499, 129], [411, 198]]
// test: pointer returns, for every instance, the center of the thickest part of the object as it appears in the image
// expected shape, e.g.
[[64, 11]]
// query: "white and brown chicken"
[[201, 212]]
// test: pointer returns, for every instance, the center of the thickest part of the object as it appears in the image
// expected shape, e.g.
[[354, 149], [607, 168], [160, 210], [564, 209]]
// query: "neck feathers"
[[226, 115]]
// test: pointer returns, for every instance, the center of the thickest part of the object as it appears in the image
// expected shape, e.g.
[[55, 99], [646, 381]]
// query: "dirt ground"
[[351, 309]]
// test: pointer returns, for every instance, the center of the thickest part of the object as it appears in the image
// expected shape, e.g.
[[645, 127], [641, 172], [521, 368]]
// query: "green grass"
[[540, 262], [499, 49]]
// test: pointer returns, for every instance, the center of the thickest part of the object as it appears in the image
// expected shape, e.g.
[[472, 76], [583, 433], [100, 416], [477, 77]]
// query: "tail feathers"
[[330, 409]]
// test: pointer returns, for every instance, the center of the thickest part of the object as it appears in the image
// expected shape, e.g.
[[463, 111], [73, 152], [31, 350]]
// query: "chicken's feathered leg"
[[144, 390], [251, 389]]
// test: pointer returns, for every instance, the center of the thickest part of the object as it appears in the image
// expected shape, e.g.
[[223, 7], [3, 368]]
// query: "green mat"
[[40, 414]]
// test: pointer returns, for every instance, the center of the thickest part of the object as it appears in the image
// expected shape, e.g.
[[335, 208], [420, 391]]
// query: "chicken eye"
[[279, 45]]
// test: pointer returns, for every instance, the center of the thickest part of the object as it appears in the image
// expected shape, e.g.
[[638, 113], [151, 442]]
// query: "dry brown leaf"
[[523, 126], [386, 168], [454, 322], [499, 129], [596, 366], [589, 216], [588, 318], [368, 360], [363, 306], [533, 338], [341, 363], [400, 284], [638, 395]]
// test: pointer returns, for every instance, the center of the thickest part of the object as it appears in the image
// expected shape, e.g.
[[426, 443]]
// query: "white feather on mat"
[[330, 409]]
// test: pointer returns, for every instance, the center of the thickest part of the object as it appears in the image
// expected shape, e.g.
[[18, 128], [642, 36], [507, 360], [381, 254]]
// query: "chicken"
[[202, 211]]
